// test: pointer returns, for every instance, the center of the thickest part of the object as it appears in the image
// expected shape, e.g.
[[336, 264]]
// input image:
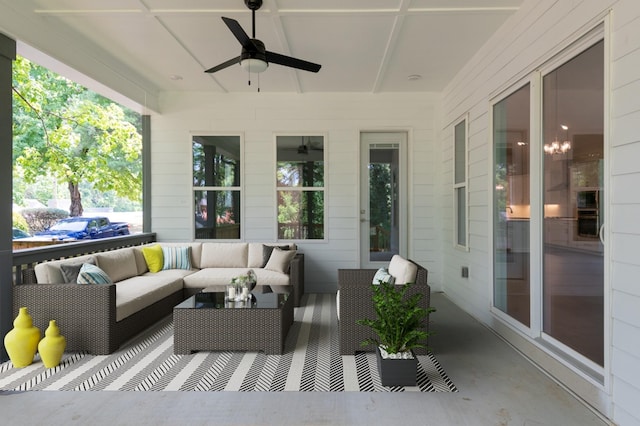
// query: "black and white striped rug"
[[311, 363]]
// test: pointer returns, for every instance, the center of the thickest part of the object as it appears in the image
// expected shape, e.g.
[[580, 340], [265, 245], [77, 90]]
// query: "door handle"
[[601, 233]]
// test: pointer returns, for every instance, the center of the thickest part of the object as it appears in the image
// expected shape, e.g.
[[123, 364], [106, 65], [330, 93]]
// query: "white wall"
[[533, 35], [258, 117]]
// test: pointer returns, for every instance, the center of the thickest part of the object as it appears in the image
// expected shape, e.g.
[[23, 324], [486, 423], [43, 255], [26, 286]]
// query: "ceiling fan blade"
[[288, 61], [224, 65], [240, 34]]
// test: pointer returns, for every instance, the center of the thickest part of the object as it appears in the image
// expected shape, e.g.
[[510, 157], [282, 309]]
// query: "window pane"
[[460, 145], [461, 211], [300, 215], [300, 161], [511, 205], [300, 164], [573, 287], [217, 214], [216, 161]]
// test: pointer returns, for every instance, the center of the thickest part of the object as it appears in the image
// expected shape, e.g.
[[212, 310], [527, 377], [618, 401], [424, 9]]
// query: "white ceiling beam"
[[274, 12], [391, 44]]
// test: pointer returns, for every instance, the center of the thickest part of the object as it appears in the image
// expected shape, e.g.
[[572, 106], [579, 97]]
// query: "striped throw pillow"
[[91, 274], [176, 257]]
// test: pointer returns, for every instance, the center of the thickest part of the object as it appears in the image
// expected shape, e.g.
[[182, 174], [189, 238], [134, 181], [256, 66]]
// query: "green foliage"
[[300, 210], [40, 219], [399, 318], [380, 195], [64, 130], [19, 221]]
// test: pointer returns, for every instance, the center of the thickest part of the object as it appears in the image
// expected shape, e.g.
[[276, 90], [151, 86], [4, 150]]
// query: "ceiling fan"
[[304, 148], [254, 57]]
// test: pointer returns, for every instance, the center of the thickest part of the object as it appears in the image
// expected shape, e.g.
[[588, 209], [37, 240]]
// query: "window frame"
[[239, 188], [302, 189], [462, 185]]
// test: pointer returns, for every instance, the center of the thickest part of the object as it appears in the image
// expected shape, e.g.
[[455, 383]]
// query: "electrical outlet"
[[465, 272]]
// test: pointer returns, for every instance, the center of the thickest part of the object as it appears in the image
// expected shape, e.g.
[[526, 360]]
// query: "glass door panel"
[[382, 213], [511, 206], [573, 272]]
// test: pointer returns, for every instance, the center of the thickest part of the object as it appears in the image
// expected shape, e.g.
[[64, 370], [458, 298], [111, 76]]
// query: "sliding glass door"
[[556, 182], [573, 277]]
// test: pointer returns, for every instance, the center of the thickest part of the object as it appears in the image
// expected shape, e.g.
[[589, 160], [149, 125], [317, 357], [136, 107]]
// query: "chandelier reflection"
[[557, 147]]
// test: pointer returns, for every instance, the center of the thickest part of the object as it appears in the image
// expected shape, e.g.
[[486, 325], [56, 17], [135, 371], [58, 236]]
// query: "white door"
[[383, 197]]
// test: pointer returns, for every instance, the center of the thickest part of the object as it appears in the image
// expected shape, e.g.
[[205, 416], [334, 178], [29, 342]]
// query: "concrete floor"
[[497, 386]]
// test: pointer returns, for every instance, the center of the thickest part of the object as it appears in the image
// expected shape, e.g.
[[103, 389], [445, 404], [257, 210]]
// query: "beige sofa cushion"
[[224, 255], [402, 270], [136, 293], [271, 278], [212, 276], [118, 264], [280, 260], [256, 252], [220, 277], [50, 273]]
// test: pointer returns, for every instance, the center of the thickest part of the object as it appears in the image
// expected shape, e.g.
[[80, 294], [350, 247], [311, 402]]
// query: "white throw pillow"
[[403, 270], [279, 260]]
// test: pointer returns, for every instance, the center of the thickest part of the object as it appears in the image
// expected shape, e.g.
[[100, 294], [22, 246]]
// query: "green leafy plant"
[[399, 319]]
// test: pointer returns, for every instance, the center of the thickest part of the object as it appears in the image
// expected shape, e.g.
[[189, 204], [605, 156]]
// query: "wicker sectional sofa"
[[99, 318]]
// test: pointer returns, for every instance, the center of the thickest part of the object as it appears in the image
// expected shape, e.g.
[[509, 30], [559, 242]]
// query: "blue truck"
[[84, 228]]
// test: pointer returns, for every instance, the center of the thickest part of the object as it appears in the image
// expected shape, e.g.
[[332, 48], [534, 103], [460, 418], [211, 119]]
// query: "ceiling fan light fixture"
[[254, 65]]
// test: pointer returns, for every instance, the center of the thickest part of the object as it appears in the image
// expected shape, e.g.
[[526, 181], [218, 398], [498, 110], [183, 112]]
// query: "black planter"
[[397, 372]]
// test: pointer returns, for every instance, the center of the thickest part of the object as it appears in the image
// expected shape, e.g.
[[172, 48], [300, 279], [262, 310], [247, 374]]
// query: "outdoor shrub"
[[19, 222], [40, 219]]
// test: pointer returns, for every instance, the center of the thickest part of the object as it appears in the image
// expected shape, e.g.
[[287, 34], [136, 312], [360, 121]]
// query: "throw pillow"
[[403, 270], [154, 257], [91, 274], [267, 250], [382, 276], [176, 257], [279, 260], [70, 271]]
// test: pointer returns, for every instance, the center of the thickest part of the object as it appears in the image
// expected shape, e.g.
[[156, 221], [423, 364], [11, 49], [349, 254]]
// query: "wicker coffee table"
[[206, 322]]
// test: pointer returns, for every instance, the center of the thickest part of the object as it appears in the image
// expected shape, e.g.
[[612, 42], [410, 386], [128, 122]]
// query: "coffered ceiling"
[[165, 45]]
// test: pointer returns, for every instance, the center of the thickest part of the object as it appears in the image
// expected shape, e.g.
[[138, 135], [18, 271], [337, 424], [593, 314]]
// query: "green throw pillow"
[[154, 257]]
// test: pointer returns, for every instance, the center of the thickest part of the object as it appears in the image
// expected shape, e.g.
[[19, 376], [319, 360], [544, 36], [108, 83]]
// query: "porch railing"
[[24, 260]]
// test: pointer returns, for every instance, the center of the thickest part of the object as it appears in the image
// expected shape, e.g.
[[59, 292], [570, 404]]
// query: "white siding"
[[258, 117], [533, 35]]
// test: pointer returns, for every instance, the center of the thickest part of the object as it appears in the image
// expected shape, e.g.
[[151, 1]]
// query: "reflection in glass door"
[[512, 210], [382, 212], [573, 272]]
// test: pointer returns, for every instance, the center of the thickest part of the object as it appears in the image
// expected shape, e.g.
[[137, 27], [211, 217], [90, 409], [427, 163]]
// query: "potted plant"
[[399, 329]]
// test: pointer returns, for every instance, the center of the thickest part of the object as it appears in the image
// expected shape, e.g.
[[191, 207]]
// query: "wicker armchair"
[[354, 303]]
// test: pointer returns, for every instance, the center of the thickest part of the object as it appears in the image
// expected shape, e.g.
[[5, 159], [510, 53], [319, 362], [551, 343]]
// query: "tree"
[[74, 135]]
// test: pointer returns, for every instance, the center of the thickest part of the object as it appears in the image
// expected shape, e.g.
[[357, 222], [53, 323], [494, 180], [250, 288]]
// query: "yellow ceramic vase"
[[21, 342], [52, 346]]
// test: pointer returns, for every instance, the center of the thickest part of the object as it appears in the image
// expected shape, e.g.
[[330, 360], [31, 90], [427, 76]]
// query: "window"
[[216, 187], [460, 183], [300, 181]]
